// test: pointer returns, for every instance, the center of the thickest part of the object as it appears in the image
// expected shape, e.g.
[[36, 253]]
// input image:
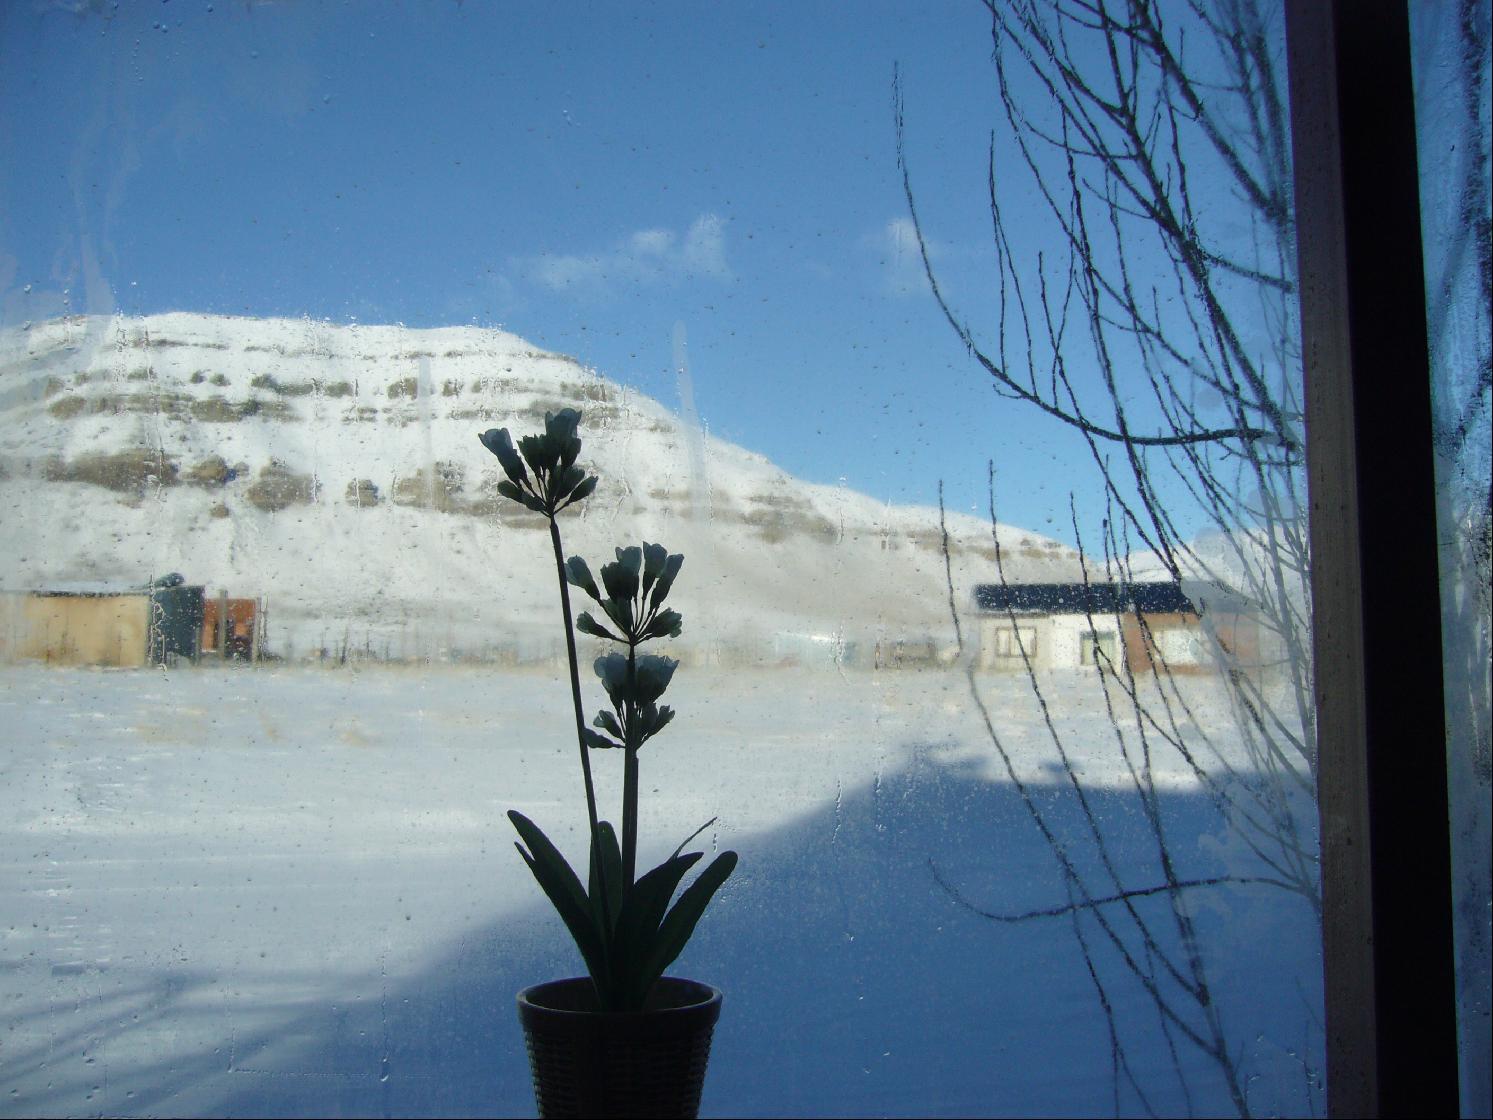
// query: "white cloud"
[[704, 252], [646, 256], [896, 243]]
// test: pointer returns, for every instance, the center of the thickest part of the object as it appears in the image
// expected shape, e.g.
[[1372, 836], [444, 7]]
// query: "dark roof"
[[1080, 598]]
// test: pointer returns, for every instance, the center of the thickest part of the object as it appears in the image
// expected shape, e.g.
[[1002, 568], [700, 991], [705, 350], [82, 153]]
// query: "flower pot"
[[591, 1063]]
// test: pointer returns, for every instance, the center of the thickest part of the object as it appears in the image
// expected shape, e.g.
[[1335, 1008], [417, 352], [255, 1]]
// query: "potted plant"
[[625, 1040]]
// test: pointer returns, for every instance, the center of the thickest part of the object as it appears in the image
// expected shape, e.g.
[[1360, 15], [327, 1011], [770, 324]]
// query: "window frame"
[[1385, 844]]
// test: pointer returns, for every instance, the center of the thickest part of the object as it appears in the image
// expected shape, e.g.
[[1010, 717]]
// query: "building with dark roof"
[[1139, 626]]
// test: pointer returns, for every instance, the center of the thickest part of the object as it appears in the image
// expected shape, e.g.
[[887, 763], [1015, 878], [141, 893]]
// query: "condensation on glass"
[[1002, 696], [1450, 57]]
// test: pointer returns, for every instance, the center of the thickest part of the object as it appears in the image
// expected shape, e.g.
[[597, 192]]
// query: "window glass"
[[1450, 57], [956, 351]]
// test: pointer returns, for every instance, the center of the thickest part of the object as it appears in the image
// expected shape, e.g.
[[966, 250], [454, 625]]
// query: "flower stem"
[[580, 715], [630, 781], [630, 817]]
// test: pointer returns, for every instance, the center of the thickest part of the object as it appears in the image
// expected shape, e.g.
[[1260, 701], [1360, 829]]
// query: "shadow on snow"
[[855, 985]]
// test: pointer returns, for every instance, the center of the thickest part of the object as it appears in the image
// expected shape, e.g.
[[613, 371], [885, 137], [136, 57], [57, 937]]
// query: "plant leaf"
[[611, 866], [563, 889], [695, 833], [637, 925], [674, 933]]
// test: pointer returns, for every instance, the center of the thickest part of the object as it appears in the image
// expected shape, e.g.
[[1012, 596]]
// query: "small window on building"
[[1010, 643], [1179, 646], [1097, 639]]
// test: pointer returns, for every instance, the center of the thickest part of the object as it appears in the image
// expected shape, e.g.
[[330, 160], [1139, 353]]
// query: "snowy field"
[[291, 890]]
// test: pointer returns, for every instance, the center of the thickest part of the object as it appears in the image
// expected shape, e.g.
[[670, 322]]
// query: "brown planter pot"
[[646, 1063]]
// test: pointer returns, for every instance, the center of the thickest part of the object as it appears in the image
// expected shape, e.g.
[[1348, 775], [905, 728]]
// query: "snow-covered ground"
[[291, 890]]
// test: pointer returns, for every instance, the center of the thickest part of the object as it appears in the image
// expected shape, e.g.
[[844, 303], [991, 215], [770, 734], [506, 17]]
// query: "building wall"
[[1069, 650], [241, 625], [1189, 645], [1176, 638], [999, 651], [111, 630]]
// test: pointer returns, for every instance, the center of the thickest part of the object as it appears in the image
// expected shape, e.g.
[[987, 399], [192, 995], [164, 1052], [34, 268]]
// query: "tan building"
[[75, 628], [113, 627]]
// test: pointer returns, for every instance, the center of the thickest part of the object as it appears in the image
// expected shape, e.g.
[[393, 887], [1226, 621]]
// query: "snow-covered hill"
[[336, 472]]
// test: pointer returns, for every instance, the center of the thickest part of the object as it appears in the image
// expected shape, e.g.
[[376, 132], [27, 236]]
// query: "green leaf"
[[563, 889], [674, 933], [637, 925], [695, 833], [611, 866]]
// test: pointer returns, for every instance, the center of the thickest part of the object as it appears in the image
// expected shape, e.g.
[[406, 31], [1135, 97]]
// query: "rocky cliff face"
[[335, 470]]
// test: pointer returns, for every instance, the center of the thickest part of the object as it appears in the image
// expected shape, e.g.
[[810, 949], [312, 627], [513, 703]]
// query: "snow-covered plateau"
[[335, 472]]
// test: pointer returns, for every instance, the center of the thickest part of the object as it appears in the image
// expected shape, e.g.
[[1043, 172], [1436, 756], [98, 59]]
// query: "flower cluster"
[[636, 583], [634, 695], [557, 481]]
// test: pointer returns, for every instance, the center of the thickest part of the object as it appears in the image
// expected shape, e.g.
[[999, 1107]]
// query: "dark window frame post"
[[1386, 859]]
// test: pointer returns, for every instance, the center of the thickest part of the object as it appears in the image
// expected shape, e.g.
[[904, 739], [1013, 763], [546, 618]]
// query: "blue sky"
[[584, 175]]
